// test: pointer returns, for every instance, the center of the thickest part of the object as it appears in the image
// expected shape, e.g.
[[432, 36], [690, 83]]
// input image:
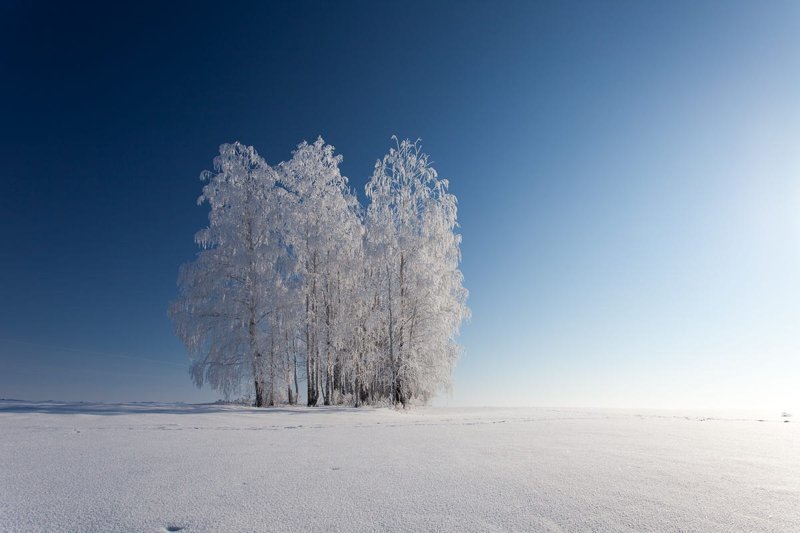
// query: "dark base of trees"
[[259, 394], [356, 395], [312, 400]]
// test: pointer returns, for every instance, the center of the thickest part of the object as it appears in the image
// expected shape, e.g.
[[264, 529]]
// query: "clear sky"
[[627, 175]]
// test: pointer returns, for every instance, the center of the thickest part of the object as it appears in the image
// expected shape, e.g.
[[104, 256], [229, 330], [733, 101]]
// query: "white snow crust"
[[161, 467]]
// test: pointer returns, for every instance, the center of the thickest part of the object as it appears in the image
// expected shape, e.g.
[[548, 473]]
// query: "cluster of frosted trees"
[[299, 292]]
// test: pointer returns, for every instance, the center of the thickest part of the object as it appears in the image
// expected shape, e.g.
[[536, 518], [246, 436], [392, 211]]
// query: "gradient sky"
[[627, 175]]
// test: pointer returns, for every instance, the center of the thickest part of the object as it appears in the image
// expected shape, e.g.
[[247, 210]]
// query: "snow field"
[[159, 467]]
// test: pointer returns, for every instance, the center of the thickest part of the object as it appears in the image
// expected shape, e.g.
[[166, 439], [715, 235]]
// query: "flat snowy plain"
[[159, 467]]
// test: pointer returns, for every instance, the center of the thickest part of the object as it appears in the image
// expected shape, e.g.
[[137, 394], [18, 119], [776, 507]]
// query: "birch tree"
[[414, 253], [229, 296], [325, 241], [295, 282]]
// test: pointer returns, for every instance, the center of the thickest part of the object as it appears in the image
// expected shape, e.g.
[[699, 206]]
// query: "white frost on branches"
[[296, 283]]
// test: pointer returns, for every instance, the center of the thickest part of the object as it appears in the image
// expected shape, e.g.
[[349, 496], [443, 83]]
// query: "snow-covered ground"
[[157, 467]]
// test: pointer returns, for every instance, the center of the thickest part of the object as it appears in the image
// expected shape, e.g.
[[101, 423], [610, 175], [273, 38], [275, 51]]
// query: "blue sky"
[[627, 175]]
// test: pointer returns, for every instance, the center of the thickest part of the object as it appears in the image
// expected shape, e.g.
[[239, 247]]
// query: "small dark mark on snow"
[[336, 468], [174, 528]]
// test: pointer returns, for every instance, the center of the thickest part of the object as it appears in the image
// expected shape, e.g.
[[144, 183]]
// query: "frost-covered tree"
[[414, 256], [296, 283], [326, 240], [230, 297]]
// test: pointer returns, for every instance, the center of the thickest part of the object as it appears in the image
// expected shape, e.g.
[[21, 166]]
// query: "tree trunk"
[[338, 385], [271, 396], [310, 382], [326, 389], [296, 385], [390, 325], [258, 371], [399, 394], [259, 393]]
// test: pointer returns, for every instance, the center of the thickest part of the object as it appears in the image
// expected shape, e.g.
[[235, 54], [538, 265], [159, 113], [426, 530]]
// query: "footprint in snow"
[[174, 528]]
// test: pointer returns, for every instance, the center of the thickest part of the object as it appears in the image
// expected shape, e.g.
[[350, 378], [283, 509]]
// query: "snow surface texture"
[[157, 467]]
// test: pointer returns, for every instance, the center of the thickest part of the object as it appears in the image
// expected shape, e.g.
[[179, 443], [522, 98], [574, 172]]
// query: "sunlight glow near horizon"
[[685, 275]]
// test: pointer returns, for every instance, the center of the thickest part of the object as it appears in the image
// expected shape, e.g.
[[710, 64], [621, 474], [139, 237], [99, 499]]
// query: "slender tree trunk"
[[259, 393], [392, 362], [338, 385], [258, 370], [312, 337], [327, 390], [310, 382], [296, 384], [271, 396], [400, 394], [258, 365], [356, 394]]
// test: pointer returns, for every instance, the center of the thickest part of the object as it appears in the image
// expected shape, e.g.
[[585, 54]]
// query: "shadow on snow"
[[88, 408]]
